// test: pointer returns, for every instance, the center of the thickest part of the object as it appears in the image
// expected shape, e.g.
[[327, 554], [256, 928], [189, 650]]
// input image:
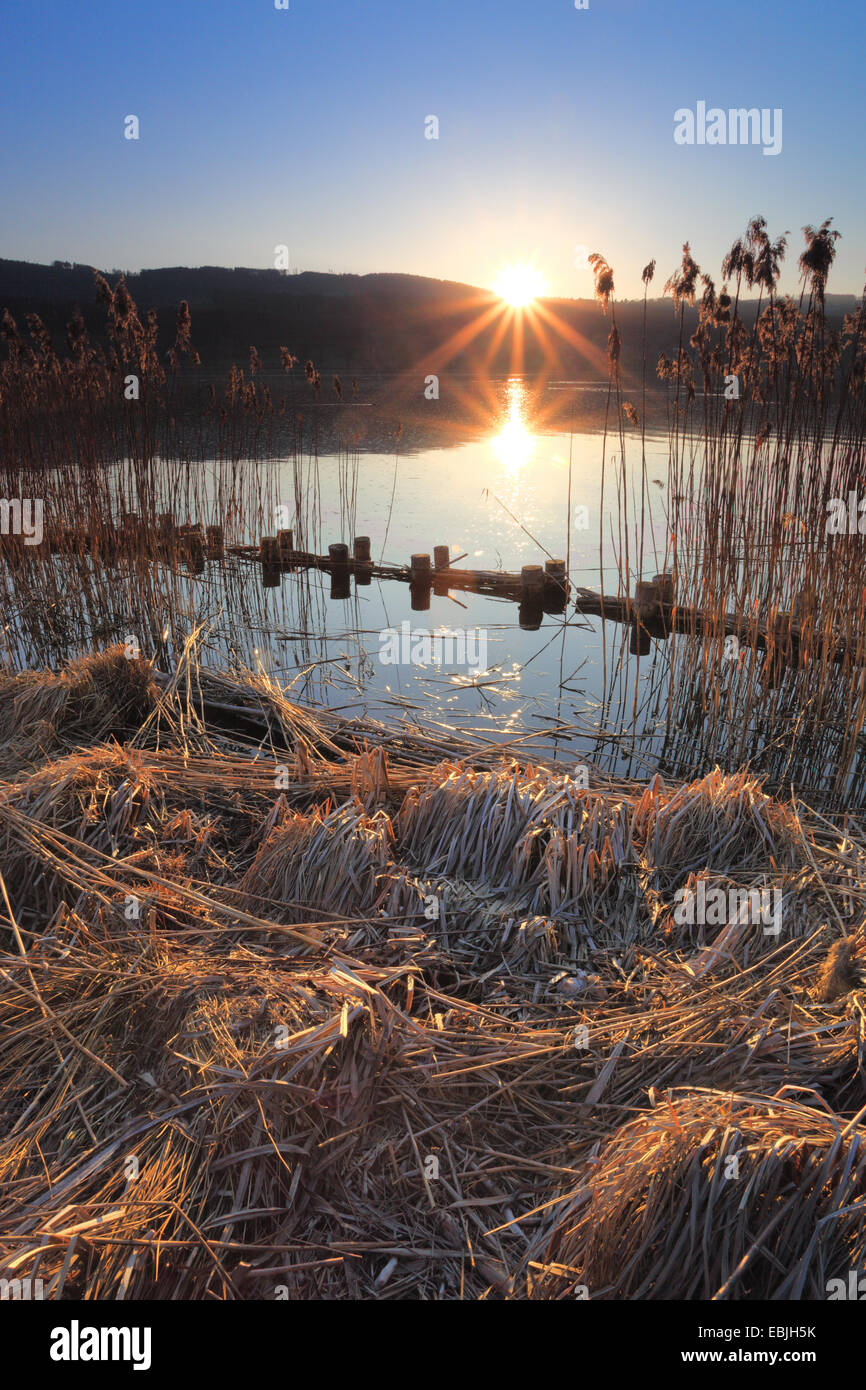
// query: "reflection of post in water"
[[192, 547], [341, 579], [531, 597], [441, 562], [555, 586], [530, 613], [421, 582], [361, 556], [214, 544], [285, 546], [652, 600], [269, 557]]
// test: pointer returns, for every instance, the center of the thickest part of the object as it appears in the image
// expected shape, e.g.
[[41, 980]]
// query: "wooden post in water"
[[651, 601], [214, 544], [363, 561], [165, 532], [779, 634], [421, 580], [804, 617], [555, 586], [554, 571], [286, 546], [195, 553], [269, 558], [665, 584], [532, 598], [441, 565], [646, 601], [59, 537], [194, 549], [420, 569], [648, 613], [532, 581], [779, 650], [341, 577]]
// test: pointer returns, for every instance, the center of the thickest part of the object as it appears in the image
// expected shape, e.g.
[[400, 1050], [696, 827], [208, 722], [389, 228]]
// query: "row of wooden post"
[[541, 587], [194, 543]]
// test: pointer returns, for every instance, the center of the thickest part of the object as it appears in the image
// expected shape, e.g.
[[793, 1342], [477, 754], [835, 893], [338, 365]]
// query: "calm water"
[[500, 500], [505, 474]]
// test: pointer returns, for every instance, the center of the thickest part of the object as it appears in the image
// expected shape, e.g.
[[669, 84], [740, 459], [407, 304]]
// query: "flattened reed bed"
[[584, 867], [338, 862], [282, 1108], [713, 1196], [102, 695], [289, 1151], [325, 1085], [717, 821]]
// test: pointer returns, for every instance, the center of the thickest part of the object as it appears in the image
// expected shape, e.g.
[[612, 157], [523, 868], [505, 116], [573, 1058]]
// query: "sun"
[[519, 285]]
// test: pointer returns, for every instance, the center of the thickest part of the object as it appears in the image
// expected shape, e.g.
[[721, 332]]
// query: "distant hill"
[[352, 324]]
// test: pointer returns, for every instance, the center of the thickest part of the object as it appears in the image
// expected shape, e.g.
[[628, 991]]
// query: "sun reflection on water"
[[514, 444]]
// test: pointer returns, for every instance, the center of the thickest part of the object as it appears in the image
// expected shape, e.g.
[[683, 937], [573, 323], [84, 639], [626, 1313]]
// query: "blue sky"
[[305, 127]]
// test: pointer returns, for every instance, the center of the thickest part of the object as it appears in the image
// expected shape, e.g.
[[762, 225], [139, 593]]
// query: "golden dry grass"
[[244, 1055]]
